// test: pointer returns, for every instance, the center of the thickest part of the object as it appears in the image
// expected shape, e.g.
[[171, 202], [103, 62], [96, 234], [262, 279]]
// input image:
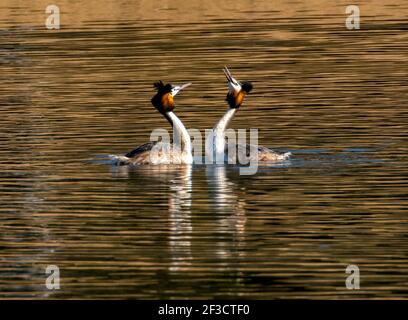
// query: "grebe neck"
[[180, 132], [219, 130]]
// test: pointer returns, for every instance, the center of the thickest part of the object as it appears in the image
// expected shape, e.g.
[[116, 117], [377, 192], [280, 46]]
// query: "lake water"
[[336, 98]]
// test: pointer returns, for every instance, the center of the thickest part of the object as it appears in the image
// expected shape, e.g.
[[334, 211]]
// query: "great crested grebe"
[[235, 97], [154, 152]]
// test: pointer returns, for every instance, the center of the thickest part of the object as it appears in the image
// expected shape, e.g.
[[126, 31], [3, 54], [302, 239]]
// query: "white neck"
[[219, 130], [180, 132]]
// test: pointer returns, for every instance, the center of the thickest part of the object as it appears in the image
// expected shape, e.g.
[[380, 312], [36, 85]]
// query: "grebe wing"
[[266, 154], [246, 148], [263, 153]]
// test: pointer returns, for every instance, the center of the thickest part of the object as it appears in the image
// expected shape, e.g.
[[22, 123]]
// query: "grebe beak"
[[233, 84], [178, 88], [229, 76]]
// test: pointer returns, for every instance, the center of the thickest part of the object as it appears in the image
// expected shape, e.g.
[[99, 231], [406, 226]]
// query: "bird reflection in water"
[[229, 205], [179, 181], [181, 229]]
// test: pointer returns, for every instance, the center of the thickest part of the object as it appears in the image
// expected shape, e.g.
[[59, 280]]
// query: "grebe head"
[[163, 100], [236, 90]]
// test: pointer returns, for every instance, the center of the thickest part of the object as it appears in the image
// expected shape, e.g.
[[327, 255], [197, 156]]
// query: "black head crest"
[[158, 84], [161, 87], [247, 86]]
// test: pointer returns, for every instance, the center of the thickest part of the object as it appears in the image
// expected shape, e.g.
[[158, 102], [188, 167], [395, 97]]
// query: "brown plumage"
[[167, 101], [235, 98]]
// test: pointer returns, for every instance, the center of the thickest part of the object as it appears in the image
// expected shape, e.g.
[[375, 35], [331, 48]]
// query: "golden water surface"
[[336, 98]]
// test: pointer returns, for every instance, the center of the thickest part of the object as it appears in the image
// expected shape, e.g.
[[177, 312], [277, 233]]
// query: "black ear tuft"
[[247, 86], [231, 101]]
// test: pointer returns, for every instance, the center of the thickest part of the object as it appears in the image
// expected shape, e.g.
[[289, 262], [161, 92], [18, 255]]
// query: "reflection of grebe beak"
[[177, 89]]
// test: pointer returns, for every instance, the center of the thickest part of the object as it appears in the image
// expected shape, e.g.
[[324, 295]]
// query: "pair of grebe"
[[181, 151]]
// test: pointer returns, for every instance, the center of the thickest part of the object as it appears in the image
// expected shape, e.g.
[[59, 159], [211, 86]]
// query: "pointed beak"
[[177, 89]]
